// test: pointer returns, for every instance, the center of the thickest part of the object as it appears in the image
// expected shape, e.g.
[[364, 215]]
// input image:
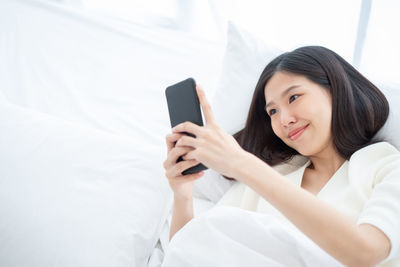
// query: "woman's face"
[[300, 112]]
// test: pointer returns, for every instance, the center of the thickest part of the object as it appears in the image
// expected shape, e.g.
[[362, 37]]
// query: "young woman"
[[310, 102]]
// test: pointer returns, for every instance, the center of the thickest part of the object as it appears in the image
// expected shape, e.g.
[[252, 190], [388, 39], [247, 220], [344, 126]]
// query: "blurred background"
[[359, 30]]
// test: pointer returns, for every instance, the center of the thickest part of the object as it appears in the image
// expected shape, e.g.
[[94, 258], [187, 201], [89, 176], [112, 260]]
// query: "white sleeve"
[[382, 209]]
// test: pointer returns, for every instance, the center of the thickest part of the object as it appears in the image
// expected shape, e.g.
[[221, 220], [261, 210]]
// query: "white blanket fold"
[[229, 236]]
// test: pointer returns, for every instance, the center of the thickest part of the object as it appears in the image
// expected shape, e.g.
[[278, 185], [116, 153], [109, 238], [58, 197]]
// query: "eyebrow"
[[284, 93]]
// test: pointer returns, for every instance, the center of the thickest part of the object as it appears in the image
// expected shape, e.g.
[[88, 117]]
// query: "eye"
[[293, 98], [272, 111]]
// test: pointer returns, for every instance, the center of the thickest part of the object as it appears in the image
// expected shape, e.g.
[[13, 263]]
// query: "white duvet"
[[229, 236]]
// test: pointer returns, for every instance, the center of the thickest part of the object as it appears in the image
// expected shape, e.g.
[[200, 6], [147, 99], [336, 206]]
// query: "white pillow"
[[75, 196], [391, 130], [2, 98], [212, 186], [245, 58], [94, 70]]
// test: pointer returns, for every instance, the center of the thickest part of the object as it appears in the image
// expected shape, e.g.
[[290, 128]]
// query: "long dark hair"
[[359, 108]]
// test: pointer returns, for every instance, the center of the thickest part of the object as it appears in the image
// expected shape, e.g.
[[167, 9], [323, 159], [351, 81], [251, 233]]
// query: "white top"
[[366, 188]]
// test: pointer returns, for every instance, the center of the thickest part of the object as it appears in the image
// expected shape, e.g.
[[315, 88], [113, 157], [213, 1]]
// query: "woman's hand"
[[182, 185], [212, 147]]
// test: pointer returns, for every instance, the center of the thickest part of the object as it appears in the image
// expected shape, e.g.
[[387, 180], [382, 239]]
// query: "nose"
[[287, 118]]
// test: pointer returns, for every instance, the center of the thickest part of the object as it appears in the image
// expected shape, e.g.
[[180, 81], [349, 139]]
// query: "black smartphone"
[[183, 105]]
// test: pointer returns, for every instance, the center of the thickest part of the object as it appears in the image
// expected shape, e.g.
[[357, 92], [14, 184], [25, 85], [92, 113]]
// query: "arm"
[[182, 214], [182, 186], [351, 244]]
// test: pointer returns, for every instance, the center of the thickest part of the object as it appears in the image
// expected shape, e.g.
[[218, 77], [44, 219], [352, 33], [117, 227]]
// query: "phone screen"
[[183, 105]]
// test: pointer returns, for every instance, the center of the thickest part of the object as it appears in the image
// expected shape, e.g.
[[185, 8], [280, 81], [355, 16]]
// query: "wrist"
[[247, 165], [184, 207], [183, 198], [240, 164]]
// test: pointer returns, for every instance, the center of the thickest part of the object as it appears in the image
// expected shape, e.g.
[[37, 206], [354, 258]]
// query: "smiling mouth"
[[297, 133]]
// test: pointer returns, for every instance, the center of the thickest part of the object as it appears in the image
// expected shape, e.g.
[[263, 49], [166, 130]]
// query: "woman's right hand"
[[181, 185]]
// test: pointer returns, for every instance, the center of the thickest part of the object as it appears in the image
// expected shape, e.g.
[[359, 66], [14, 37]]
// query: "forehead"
[[281, 81]]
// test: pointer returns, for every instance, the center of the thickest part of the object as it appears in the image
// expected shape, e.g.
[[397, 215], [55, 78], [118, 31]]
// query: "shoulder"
[[375, 152], [375, 162]]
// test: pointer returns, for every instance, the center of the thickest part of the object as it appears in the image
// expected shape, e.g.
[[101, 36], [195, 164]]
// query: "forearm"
[[182, 214], [326, 226]]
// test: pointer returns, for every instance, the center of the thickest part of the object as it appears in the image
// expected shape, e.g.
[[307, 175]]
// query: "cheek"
[[323, 121], [324, 111], [275, 125]]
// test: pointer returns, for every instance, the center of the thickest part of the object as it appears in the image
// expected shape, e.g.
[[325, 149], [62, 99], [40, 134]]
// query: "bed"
[[83, 120]]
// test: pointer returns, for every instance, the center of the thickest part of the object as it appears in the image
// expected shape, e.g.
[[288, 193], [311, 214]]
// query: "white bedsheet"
[[228, 236], [102, 82]]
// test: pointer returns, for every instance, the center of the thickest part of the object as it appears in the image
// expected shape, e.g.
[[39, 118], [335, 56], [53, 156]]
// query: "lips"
[[293, 135]]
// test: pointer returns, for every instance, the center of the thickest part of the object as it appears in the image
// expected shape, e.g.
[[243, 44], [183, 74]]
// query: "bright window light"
[[381, 55]]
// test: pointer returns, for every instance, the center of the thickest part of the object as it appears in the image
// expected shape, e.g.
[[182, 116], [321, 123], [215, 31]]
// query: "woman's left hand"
[[212, 147]]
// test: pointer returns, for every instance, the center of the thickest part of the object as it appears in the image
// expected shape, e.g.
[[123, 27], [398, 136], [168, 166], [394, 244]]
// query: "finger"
[[205, 106], [184, 165], [187, 141], [171, 140], [180, 167], [189, 177], [190, 155], [188, 127], [174, 154]]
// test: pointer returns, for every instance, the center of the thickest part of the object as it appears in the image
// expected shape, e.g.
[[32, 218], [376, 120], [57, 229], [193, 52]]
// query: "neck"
[[326, 162]]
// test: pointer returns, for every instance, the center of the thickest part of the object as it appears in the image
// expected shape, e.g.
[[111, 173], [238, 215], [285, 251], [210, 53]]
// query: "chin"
[[305, 153], [301, 148]]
